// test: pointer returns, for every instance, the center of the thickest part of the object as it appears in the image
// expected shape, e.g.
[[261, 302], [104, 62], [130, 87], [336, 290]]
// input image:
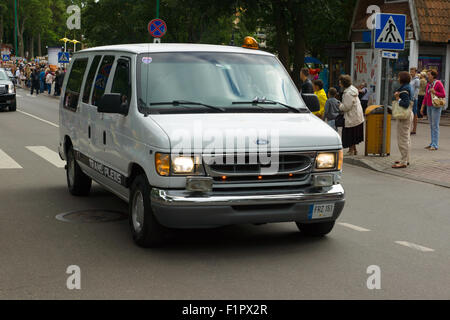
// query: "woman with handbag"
[[402, 111], [353, 131], [434, 102]]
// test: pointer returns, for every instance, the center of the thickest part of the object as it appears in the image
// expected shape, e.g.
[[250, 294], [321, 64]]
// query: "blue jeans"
[[415, 107], [332, 123], [434, 116]]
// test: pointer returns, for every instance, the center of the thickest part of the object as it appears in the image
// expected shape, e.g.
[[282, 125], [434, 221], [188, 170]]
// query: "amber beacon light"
[[250, 43]]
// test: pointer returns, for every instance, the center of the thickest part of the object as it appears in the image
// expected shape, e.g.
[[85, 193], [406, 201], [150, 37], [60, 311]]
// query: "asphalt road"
[[271, 261]]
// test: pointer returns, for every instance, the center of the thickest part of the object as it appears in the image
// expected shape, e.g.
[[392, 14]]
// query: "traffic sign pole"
[[386, 102], [389, 35], [157, 9]]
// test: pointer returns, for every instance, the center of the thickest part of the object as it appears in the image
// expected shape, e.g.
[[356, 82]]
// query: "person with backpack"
[[404, 95], [434, 88]]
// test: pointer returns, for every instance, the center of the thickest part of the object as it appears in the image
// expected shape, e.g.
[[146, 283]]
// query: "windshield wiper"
[[258, 101], [183, 102]]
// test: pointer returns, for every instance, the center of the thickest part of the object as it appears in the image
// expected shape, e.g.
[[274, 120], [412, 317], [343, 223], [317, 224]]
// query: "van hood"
[[248, 132], [245, 132]]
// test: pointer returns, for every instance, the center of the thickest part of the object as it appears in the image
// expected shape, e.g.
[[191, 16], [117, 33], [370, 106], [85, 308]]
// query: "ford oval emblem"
[[262, 142]]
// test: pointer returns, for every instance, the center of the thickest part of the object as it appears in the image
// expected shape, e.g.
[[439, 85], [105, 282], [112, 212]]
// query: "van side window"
[[102, 79], [122, 82], [90, 79], [72, 93]]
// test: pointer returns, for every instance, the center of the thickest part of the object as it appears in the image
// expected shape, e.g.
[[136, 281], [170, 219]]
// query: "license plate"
[[320, 211]]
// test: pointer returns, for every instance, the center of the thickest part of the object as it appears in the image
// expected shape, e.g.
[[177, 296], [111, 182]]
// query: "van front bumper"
[[183, 209]]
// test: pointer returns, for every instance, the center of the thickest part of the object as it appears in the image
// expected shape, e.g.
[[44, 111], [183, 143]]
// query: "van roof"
[[138, 48]]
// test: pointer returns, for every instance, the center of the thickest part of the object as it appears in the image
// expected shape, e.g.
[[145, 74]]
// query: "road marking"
[[18, 95], [414, 246], [37, 118], [6, 162], [352, 226], [49, 155]]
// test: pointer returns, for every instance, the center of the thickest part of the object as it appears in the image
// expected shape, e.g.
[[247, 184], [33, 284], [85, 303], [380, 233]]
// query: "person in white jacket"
[[353, 131], [49, 81]]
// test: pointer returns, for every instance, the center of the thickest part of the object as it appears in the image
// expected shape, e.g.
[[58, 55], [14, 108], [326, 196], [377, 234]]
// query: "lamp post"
[[65, 43], [15, 26], [74, 41]]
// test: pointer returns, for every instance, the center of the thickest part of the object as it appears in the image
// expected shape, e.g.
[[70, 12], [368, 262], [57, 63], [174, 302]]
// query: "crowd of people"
[[39, 78], [345, 107]]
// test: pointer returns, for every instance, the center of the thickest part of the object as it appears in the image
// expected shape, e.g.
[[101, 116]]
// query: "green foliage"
[[292, 27]]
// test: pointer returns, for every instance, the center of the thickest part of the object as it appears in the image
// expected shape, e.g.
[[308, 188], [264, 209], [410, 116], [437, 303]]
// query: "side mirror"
[[311, 101], [112, 103]]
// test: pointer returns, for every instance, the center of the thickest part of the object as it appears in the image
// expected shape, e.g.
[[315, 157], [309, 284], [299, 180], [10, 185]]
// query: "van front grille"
[[251, 168]]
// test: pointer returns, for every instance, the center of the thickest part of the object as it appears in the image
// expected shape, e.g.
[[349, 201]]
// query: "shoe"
[[398, 162], [433, 149], [413, 132], [399, 166], [427, 147]]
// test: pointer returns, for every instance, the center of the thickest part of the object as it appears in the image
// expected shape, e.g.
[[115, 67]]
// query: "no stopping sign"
[[157, 28]]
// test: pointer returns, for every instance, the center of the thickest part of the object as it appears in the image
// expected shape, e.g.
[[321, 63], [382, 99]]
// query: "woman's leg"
[[435, 114], [404, 139], [430, 119]]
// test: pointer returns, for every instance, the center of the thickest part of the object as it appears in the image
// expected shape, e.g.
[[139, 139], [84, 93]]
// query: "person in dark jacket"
[[35, 83], [307, 86], [404, 95], [58, 82]]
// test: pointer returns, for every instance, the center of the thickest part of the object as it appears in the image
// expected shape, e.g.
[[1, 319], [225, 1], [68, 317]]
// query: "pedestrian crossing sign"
[[6, 57], [63, 57], [390, 31]]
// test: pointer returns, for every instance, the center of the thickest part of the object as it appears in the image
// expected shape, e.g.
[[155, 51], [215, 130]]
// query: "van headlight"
[[329, 160], [178, 165], [11, 88], [183, 165]]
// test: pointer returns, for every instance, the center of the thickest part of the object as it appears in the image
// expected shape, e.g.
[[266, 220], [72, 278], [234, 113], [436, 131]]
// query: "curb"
[[361, 163]]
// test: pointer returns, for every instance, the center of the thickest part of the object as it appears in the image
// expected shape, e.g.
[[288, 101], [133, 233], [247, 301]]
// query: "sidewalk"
[[426, 166]]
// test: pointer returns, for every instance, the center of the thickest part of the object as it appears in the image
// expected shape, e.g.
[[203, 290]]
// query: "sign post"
[[389, 35]]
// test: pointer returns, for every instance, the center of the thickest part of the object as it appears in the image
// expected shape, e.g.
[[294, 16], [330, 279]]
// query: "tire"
[[318, 229], [13, 107], [78, 182], [146, 230]]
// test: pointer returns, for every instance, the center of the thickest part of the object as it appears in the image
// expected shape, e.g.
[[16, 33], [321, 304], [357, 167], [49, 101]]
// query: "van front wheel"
[[317, 229], [78, 182], [146, 230]]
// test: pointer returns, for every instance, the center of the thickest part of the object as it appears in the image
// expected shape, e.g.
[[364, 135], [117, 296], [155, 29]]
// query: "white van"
[[198, 136]]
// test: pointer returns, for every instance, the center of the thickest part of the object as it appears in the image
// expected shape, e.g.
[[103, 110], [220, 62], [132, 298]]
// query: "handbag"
[[436, 101], [400, 113]]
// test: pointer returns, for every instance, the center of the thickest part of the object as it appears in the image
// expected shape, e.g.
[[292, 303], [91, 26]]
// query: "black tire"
[[13, 107], [146, 230], [317, 229], [78, 182]]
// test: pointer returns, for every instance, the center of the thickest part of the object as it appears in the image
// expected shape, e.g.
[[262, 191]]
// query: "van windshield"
[[185, 82]]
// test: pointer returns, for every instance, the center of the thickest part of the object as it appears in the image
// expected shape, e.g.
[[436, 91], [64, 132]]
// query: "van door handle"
[[104, 137], [89, 132]]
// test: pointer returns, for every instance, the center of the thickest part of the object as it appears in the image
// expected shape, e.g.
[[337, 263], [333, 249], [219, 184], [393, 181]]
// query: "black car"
[[7, 92]]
